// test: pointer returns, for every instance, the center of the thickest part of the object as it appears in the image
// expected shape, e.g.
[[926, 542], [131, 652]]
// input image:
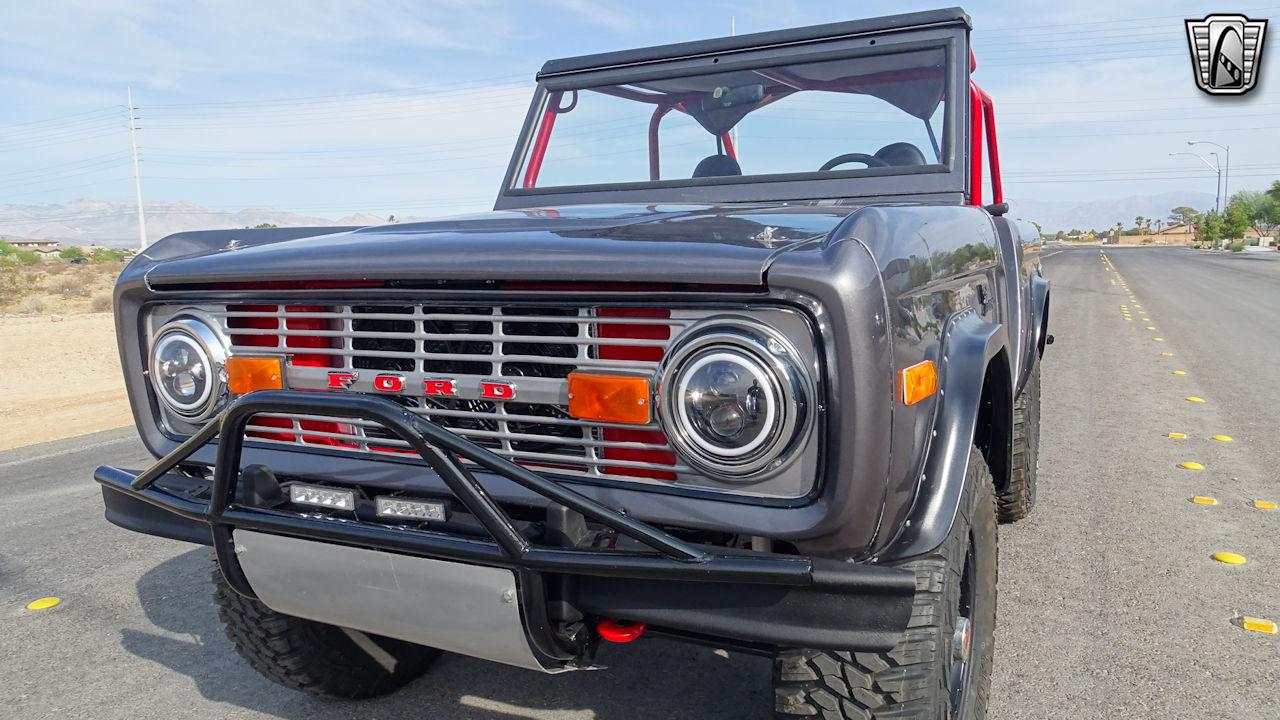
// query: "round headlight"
[[734, 400], [186, 368]]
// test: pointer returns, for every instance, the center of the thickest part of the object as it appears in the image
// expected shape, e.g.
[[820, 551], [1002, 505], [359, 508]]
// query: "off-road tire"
[[316, 658], [912, 681], [1019, 498]]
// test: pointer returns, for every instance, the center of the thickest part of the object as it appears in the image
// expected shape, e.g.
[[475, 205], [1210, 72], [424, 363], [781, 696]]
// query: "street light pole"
[[1226, 179], [1217, 168]]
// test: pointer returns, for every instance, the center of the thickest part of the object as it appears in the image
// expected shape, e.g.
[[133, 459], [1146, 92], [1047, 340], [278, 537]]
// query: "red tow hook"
[[620, 631]]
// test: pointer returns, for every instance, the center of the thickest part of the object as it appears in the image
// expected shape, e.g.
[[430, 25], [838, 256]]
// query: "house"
[[46, 248], [1177, 231]]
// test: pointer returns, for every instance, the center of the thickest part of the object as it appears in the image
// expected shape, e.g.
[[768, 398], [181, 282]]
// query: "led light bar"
[[394, 507], [322, 497]]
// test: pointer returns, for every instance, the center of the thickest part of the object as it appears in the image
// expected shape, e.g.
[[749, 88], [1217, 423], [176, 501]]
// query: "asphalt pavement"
[[1111, 605]]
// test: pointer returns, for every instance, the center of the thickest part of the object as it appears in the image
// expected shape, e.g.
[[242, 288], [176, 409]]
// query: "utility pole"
[[137, 178]]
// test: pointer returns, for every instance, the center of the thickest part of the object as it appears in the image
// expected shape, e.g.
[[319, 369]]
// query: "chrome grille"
[[533, 347]]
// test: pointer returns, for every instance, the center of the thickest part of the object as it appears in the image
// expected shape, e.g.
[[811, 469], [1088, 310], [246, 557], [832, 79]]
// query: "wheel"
[[1017, 500], [942, 666], [314, 657]]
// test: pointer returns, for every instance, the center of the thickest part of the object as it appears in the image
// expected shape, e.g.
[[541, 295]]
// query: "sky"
[[411, 106]]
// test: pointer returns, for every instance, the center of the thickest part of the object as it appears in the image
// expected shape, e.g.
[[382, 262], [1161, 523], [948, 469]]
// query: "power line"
[[54, 120], [313, 98]]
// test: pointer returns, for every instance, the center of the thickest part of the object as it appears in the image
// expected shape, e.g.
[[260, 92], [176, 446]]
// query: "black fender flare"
[[1039, 310], [969, 346]]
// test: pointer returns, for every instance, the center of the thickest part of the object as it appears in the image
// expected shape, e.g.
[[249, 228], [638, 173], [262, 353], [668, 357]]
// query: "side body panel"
[[945, 280]]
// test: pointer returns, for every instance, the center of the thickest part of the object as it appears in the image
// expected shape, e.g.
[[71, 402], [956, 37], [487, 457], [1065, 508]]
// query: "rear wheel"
[[941, 668], [1019, 498], [314, 657]]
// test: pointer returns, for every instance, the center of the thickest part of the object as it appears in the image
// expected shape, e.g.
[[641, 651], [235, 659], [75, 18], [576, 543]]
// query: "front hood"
[[607, 243]]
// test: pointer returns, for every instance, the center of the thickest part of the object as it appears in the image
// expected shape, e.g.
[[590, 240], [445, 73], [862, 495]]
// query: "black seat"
[[901, 153], [717, 166]]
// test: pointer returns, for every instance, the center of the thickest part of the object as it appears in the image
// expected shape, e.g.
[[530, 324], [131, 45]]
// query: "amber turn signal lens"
[[609, 398], [919, 382], [246, 374]]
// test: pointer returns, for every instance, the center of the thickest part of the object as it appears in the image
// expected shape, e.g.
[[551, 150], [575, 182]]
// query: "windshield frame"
[[945, 181]]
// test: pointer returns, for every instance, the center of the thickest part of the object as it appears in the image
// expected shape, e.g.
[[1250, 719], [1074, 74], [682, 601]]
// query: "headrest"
[[901, 153], [717, 166]]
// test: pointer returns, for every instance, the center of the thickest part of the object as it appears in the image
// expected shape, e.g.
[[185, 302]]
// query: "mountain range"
[[114, 224]]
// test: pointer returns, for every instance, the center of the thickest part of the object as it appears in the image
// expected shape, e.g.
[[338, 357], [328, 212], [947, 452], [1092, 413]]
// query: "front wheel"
[[316, 658], [941, 668], [1019, 497]]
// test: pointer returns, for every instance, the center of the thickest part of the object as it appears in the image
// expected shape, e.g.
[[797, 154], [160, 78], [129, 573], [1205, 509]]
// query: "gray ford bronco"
[[740, 357]]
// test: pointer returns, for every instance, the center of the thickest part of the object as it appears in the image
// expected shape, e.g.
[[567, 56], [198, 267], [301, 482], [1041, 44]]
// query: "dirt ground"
[[59, 377]]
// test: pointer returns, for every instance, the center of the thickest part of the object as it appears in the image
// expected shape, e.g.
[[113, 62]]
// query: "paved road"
[[1110, 604]]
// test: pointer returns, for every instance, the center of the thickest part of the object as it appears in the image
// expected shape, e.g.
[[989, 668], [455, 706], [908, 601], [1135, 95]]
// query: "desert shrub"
[[32, 305], [68, 286], [14, 280], [1237, 246], [100, 302], [22, 257], [71, 253], [106, 255]]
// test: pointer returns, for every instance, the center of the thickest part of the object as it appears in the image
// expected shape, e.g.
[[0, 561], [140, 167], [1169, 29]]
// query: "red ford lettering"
[[341, 380], [388, 383], [497, 390], [439, 387]]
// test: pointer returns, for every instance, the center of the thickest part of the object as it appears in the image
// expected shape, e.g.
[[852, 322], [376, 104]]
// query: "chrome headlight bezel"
[[778, 368], [210, 351]]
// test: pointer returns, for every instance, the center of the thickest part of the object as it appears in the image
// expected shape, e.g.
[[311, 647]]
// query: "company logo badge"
[[1226, 52]]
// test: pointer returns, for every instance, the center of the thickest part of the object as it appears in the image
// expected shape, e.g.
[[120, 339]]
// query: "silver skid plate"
[[466, 609]]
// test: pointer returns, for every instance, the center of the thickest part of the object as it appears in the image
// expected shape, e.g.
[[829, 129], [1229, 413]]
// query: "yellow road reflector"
[[1138, 306], [1194, 399], [1264, 505], [1222, 438], [1179, 372], [1176, 435], [1190, 465], [1166, 354], [1229, 558], [1158, 339], [1151, 327], [1261, 625], [44, 603], [1203, 500]]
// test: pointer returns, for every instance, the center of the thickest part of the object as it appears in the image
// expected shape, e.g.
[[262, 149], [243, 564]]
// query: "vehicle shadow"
[[650, 679]]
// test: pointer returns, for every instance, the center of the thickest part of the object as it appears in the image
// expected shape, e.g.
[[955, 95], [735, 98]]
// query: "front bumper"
[[747, 599]]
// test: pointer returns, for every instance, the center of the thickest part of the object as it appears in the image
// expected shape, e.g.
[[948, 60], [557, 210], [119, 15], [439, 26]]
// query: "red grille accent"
[[302, 359], [646, 354]]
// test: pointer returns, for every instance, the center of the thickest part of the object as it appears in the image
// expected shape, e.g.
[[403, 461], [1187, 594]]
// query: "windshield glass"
[[867, 114]]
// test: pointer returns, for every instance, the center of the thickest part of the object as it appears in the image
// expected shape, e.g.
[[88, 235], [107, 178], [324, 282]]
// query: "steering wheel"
[[868, 160]]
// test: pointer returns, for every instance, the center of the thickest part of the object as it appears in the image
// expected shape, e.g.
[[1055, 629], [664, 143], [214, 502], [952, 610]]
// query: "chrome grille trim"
[[490, 336], [363, 443]]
